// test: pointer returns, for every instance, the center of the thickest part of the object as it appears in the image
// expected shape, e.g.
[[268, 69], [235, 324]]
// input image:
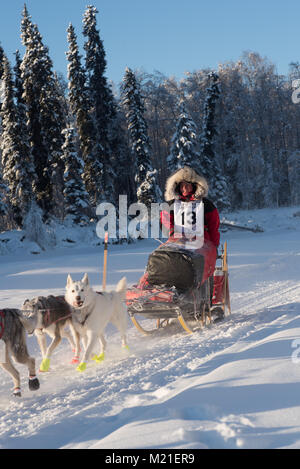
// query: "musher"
[[183, 186]]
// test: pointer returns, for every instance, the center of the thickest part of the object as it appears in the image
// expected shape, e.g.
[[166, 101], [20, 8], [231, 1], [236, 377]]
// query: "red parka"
[[211, 214], [211, 220]]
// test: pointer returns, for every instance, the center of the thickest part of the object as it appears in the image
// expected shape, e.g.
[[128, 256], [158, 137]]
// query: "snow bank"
[[65, 235], [50, 237]]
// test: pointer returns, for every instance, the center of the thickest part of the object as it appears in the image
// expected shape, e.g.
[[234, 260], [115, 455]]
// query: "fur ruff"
[[189, 175]]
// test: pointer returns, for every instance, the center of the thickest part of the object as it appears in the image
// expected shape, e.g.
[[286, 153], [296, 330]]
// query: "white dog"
[[91, 313]]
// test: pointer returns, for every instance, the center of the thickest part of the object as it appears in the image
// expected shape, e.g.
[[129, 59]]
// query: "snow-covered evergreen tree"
[[36, 230], [184, 142], [80, 105], [19, 87], [257, 181], [270, 187], [103, 107], [294, 176], [21, 116], [234, 174], [1, 61], [45, 115], [209, 131], [1, 73], [145, 176], [75, 195], [282, 178], [57, 162], [3, 187], [3, 199], [122, 157], [209, 163], [17, 162]]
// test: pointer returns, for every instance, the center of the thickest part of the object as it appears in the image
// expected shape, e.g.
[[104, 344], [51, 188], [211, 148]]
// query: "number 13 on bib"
[[189, 222]]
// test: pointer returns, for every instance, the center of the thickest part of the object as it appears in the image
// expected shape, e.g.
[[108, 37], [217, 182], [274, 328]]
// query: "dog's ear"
[[69, 280], [85, 279]]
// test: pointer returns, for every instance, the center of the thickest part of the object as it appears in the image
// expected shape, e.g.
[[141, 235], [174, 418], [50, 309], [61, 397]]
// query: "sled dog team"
[[84, 310]]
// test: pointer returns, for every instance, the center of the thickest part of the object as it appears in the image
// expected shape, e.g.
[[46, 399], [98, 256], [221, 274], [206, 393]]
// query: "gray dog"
[[52, 315], [13, 334]]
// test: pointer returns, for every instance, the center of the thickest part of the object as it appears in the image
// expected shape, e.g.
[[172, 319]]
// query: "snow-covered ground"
[[231, 385]]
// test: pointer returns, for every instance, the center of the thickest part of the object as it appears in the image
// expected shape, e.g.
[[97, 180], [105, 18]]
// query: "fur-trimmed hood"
[[189, 175]]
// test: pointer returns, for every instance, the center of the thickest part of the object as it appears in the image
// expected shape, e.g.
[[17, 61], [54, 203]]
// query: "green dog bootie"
[[125, 351], [45, 365], [99, 358], [81, 366]]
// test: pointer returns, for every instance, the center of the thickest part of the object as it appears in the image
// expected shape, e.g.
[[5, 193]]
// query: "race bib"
[[189, 220]]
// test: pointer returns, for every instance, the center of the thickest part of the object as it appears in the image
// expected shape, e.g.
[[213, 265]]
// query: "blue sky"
[[171, 36]]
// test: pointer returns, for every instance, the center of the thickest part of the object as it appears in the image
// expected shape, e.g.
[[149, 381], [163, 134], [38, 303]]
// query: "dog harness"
[[77, 313], [48, 320], [82, 323], [47, 314]]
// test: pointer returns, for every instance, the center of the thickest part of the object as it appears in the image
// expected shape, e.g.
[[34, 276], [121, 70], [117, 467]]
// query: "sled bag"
[[174, 266]]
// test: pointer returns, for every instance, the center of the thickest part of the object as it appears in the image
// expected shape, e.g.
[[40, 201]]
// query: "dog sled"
[[190, 286]]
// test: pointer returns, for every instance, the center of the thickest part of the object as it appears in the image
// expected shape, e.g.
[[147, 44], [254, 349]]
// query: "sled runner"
[[181, 284]]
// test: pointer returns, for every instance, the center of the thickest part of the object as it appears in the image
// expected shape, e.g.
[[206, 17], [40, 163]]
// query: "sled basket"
[[165, 303]]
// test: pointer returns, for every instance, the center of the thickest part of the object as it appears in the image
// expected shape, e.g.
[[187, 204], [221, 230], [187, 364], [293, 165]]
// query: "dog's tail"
[[122, 287]]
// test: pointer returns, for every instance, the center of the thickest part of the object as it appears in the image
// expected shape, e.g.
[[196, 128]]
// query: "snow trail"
[[231, 385]]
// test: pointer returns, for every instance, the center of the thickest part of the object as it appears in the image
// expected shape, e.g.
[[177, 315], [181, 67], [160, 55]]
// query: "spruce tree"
[[3, 187], [19, 86], [270, 188], [122, 161], [21, 116], [209, 164], [75, 195], [209, 128], [235, 175], [2, 55], [80, 105], [17, 162], [3, 200], [145, 176], [184, 141], [294, 176], [45, 116], [103, 106], [1, 72], [282, 173]]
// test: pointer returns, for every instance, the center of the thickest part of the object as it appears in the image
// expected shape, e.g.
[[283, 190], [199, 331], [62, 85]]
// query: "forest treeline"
[[68, 144]]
